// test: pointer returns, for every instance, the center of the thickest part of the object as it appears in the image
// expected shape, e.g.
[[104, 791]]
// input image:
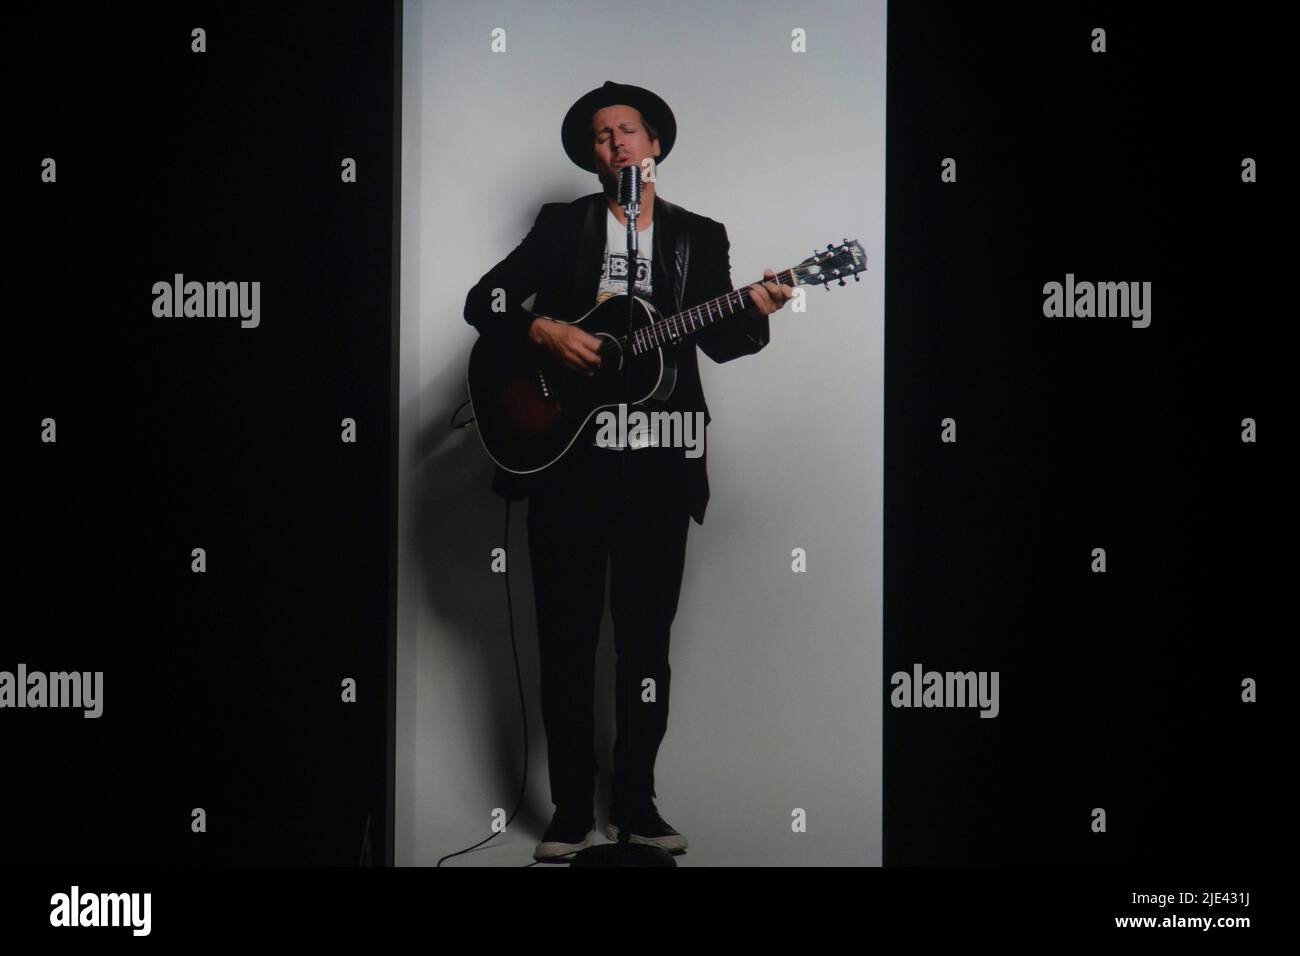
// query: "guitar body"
[[530, 408]]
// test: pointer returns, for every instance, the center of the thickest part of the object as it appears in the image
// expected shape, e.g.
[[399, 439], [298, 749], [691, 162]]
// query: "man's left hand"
[[767, 297]]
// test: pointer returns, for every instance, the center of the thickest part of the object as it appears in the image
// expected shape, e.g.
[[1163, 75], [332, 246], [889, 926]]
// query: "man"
[[598, 507]]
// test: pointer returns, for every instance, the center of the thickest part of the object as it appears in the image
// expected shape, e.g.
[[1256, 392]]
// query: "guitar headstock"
[[837, 262]]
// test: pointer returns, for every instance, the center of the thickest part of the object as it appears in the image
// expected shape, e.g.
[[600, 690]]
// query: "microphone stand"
[[625, 852]]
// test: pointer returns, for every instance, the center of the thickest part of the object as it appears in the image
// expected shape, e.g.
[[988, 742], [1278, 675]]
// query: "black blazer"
[[560, 260]]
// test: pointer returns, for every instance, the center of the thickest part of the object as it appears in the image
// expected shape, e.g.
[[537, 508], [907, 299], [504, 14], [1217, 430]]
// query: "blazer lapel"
[[591, 253], [671, 250]]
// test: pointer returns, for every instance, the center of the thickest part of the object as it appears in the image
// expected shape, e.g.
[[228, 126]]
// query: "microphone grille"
[[629, 185]]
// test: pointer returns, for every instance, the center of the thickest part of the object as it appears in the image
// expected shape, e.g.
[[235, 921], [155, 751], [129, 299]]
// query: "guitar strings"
[[643, 337], [683, 323]]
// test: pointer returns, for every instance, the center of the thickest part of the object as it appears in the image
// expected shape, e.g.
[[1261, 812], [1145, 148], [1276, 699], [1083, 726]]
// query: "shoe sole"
[[554, 850], [673, 844]]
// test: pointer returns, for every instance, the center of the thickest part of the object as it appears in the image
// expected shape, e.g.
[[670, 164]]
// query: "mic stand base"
[[623, 854]]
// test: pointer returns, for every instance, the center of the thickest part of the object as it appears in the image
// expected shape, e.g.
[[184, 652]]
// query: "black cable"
[[466, 422], [523, 707]]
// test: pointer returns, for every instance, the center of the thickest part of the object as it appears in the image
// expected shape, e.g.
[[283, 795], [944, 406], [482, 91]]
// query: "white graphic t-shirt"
[[613, 281], [613, 274]]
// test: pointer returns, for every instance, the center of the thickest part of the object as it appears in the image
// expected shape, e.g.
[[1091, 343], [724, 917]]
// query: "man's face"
[[620, 139]]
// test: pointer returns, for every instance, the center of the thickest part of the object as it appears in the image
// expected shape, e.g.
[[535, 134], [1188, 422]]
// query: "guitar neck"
[[697, 318]]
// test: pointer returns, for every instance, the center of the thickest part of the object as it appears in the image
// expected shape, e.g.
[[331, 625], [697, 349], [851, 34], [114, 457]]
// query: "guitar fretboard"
[[676, 327]]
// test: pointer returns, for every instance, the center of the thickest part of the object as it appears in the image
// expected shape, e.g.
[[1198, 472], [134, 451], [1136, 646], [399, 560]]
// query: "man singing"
[[587, 513]]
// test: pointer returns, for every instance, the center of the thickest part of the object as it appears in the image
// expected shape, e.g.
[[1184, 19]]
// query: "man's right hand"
[[577, 349]]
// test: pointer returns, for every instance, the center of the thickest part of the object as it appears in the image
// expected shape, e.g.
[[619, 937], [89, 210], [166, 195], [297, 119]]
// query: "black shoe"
[[647, 827], [568, 833]]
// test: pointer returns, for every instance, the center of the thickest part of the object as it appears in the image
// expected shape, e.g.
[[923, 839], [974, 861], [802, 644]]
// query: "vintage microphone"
[[625, 852]]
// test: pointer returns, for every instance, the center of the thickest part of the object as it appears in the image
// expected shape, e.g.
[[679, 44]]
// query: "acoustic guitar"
[[530, 407]]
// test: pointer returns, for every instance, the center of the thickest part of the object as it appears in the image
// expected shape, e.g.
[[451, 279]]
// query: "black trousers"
[[591, 519]]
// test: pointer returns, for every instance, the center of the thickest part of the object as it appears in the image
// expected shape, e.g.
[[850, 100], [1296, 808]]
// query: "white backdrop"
[[776, 694]]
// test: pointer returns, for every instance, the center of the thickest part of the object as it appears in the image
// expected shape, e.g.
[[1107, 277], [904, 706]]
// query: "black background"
[[1119, 690], [222, 690]]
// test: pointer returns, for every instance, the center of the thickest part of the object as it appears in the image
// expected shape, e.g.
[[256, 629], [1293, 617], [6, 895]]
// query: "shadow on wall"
[[459, 522]]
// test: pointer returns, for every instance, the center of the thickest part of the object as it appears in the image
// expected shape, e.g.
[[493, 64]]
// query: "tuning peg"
[[829, 246], [856, 277], [841, 282], [846, 240]]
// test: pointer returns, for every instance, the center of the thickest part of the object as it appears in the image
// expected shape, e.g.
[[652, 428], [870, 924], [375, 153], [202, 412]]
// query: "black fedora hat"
[[575, 131]]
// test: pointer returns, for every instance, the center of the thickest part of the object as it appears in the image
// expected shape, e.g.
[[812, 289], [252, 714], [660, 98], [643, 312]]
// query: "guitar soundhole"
[[530, 404]]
